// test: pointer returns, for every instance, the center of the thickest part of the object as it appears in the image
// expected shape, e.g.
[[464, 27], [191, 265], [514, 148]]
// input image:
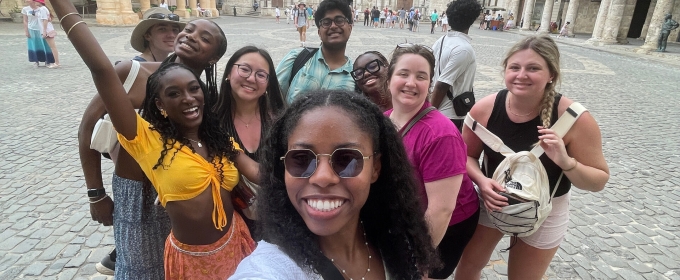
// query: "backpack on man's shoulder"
[[524, 178]]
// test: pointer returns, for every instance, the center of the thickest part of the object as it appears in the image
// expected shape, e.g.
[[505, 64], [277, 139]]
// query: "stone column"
[[599, 22], [204, 5], [182, 9], [626, 21], [648, 19], [612, 24], [662, 8], [116, 12], [547, 15], [572, 12], [513, 8], [192, 6], [526, 15], [144, 5]]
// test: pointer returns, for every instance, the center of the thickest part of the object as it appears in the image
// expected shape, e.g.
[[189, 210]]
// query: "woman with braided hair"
[[180, 146], [522, 116], [370, 75]]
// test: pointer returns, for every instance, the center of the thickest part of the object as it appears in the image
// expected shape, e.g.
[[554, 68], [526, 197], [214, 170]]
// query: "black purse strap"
[[414, 120], [441, 49]]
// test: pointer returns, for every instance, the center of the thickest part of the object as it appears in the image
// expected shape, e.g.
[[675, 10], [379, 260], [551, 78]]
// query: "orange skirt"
[[214, 261]]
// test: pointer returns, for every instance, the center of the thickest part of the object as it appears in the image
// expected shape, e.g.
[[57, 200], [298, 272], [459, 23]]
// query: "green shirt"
[[315, 74], [434, 16]]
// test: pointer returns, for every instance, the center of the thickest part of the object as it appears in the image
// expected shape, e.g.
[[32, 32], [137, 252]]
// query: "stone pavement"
[[631, 230]]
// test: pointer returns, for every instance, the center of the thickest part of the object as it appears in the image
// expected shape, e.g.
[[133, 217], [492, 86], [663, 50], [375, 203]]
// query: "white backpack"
[[524, 178]]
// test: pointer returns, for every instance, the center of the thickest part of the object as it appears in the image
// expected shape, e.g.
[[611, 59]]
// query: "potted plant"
[[16, 15]]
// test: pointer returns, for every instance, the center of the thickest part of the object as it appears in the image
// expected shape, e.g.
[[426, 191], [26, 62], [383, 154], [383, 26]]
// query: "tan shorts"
[[302, 29], [552, 231]]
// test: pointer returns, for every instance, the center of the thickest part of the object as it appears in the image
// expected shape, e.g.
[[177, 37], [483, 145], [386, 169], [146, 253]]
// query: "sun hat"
[[151, 17], [303, 4], [40, 1]]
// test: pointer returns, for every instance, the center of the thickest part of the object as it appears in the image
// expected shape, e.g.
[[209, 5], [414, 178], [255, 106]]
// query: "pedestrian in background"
[[522, 116], [277, 12], [434, 17], [49, 33], [38, 49], [300, 17]]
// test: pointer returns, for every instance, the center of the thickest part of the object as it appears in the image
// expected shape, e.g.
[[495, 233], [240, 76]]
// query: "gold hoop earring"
[[164, 113]]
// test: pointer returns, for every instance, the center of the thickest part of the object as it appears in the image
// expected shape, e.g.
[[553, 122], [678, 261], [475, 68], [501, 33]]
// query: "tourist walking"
[[434, 17], [49, 33], [300, 22]]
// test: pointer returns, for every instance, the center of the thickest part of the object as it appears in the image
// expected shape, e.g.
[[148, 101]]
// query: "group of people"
[[40, 34], [356, 174]]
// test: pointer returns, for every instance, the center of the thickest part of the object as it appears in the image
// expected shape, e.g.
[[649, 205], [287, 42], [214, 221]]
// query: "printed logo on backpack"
[[524, 178]]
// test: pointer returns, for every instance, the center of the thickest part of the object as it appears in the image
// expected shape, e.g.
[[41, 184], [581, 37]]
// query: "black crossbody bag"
[[463, 102]]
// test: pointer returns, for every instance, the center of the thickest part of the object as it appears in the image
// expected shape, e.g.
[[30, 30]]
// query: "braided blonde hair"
[[547, 49]]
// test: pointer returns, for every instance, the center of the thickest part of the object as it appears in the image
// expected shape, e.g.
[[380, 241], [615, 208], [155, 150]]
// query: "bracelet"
[[99, 200], [572, 168], [71, 13], [72, 26]]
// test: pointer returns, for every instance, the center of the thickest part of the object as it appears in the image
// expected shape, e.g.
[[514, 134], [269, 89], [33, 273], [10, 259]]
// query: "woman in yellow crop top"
[[182, 149]]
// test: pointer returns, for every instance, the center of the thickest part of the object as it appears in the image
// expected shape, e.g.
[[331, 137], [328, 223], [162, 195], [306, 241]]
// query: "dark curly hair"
[[271, 103], [329, 5], [210, 132], [462, 14], [393, 217]]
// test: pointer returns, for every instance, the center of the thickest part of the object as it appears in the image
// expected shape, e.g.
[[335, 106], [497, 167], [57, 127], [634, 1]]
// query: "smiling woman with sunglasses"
[[370, 74], [338, 200]]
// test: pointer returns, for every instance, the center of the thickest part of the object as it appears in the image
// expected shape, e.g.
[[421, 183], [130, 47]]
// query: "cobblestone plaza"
[[631, 230]]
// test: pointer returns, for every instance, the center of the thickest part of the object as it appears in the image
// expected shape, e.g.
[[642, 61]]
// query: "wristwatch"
[[93, 193]]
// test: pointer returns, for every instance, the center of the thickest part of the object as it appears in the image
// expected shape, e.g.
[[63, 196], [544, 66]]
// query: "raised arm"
[[105, 79]]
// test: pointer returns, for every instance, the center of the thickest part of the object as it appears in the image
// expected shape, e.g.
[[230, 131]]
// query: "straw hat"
[[151, 17], [303, 4]]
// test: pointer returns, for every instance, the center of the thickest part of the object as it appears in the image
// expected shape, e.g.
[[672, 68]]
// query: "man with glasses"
[[455, 66], [327, 67], [154, 36]]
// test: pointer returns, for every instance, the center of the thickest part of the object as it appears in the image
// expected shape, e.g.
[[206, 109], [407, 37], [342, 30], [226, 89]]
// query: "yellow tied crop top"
[[186, 177]]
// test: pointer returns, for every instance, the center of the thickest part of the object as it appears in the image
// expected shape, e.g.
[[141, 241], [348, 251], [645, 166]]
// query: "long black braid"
[[393, 218]]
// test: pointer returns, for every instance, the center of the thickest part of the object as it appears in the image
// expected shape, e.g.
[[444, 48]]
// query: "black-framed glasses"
[[173, 17], [371, 67], [339, 21], [345, 162], [409, 45], [245, 71]]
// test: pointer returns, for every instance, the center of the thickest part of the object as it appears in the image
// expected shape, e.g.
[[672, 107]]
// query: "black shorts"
[[451, 247]]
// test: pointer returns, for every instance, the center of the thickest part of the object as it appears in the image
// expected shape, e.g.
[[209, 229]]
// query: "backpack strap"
[[563, 124], [490, 139], [414, 120], [300, 61], [132, 76]]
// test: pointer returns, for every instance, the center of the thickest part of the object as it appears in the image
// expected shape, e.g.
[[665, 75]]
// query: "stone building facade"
[[609, 21]]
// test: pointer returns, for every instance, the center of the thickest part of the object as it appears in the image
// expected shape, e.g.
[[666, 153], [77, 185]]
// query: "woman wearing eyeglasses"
[[250, 99], [370, 74], [337, 200], [437, 152]]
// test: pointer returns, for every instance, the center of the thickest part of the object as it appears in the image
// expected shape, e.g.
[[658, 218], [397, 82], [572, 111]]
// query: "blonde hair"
[[547, 49]]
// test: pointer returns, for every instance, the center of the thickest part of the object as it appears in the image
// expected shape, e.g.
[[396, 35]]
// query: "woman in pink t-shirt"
[[438, 154]]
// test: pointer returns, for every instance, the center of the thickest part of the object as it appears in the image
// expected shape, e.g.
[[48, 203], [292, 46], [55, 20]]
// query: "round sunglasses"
[[345, 162]]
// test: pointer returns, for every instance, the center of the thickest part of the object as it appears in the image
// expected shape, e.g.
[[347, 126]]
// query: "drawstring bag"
[[524, 178]]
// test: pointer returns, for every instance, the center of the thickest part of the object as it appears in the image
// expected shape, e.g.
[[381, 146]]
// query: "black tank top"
[[521, 137]]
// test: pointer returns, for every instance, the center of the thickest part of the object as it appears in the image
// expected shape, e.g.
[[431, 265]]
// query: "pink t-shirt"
[[436, 150]]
